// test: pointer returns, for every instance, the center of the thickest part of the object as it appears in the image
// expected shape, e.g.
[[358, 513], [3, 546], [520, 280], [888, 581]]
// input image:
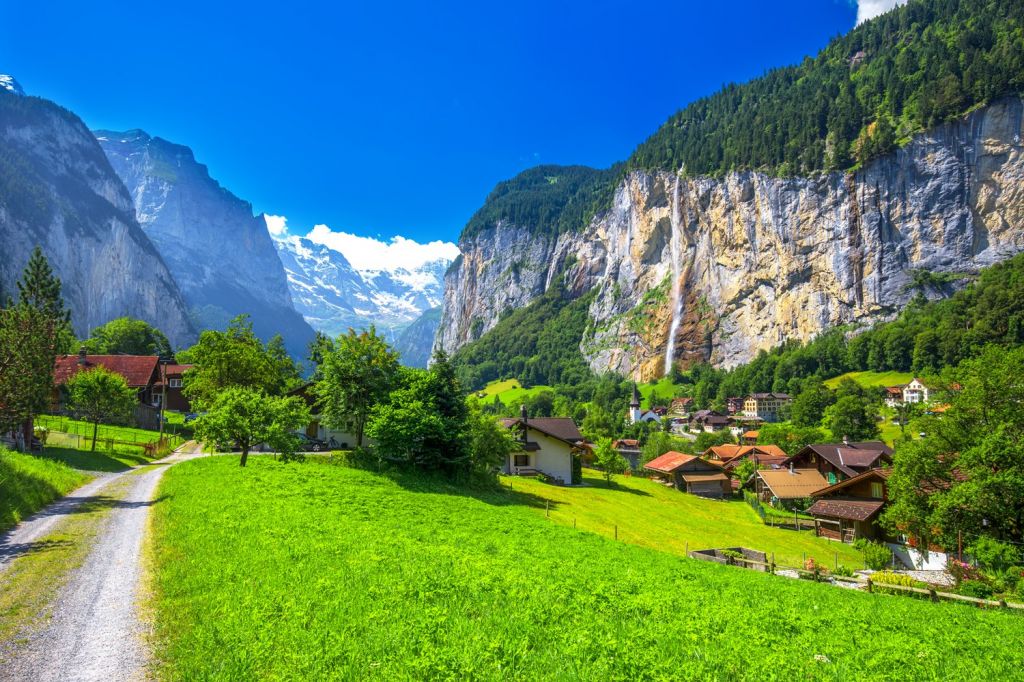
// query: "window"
[[521, 460], [174, 383], [876, 491]]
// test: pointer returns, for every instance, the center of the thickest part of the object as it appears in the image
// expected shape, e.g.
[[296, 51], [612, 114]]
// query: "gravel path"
[[95, 632]]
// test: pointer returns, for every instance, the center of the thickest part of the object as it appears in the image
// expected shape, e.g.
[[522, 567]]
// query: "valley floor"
[[315, 571]]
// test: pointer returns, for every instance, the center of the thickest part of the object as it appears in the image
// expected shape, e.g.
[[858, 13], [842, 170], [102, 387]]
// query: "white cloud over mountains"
[[869, 9], [368, 253]]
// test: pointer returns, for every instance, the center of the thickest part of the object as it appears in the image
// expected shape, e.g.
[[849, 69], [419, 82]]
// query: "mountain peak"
[[10, 84]]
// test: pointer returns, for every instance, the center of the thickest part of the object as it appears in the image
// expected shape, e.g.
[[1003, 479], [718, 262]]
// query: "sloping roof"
[[851, 509], [175, 369], [752, 434], [851, 458], [728, 453], [703, 477], [882, 474], [669, 462], [795, 484], [138, 370], [767, 396], [562, 428]]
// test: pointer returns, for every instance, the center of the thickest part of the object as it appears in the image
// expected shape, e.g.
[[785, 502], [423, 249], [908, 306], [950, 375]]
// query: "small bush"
[[844, 571], [877, 556], [976, 589], [962, 571], [991, 554], [892, 578]]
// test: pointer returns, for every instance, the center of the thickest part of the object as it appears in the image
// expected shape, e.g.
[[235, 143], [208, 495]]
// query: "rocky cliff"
[[58, 191], [415, 341], [218, 251], [709, 268]]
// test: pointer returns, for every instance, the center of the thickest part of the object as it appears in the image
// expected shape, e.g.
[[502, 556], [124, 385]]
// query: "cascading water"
[[676, 299]]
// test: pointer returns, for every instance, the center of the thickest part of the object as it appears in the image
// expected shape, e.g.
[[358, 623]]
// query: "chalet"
[[730, 456], [691, 474], [849, 510], [708, 421], [787, 485], [140, 372], [916, 392], [894, 395], [680, 406], [629, 448], [168, 389], [733, 405], [549, 445], [766, 406], [749, 437], [344, 437], [840, 461]]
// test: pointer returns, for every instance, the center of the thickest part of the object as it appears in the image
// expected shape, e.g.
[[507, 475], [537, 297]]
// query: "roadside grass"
[[28, 483], [31, 581], [652, 515], [315, 571], [105, 432], [872, 379], [77, 454]]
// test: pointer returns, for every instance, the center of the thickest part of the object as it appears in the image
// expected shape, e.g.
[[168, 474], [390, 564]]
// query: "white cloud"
[[869, 9], [367, 253], [277, 225]]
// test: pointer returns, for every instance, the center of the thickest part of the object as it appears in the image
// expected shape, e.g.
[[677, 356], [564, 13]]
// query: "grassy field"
[[108, 432], [314, 571], [652, 515], [28, 483], [509, 391], [872, 379], [662, 389]]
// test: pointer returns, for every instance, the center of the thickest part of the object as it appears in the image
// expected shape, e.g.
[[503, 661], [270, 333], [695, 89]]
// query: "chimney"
[[81, 356], [791, 472], [846, 441]]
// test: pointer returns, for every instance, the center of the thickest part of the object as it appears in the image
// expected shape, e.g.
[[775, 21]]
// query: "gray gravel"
[[96, 632]]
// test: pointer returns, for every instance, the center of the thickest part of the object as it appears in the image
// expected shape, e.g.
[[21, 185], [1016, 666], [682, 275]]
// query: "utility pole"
[[163, 396]]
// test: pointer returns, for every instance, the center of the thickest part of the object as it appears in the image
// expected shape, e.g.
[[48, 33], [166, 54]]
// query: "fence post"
[[574, 522], [547, 509], [869, 583], [772, 567], [837, 561], [616, 531]]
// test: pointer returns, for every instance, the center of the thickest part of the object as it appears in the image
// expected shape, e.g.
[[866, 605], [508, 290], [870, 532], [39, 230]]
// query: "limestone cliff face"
[[58, 191], [688, 269]]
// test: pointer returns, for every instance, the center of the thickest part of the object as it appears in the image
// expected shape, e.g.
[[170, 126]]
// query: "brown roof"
[[138, 370], [669, 462], [851, 458], [562, 428], [790, 485], [851, 509], [751, 434], [175, 369], [882, 474], [701, 478], [626, 443], [727, 453]]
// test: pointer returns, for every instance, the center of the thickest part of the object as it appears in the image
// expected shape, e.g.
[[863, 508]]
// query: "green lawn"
[[663, 389], [509, 391], [872, 379], [314, 571], [105, 431], [28, 483], [655, 516], [76, 452]]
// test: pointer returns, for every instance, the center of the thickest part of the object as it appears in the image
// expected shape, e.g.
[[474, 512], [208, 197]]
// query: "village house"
[[691, 474], [849, 510], [766, 406], [730, 456], [168, 390], [840, 461], [548, 446], [788, 485], [680, 407], [708, 421], [733, 406], [629, 448], [893, 395], [749, 437], [916, 392], [140, 372], [344, 438]]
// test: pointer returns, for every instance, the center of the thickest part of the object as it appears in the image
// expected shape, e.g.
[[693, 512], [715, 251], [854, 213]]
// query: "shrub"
[[892, 578], [358, 458], [844, 571], [962, 571], [877, 556], [42, 433], [975, 588], [994, 555]]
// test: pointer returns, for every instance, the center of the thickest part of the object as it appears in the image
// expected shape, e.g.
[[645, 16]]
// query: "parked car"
[[309, 444]]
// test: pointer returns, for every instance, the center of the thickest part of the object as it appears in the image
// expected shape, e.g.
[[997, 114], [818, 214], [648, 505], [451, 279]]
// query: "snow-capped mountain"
[[334, 295], [10, 84]]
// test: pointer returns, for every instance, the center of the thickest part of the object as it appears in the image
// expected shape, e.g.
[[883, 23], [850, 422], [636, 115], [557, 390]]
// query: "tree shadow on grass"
[[617, 487], [490, 493], [93, 461], [17, 549]]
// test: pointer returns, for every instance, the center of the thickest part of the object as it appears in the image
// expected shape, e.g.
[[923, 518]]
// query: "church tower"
[[634, 406]]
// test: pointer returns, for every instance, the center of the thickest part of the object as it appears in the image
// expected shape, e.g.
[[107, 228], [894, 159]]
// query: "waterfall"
[[676, 298]]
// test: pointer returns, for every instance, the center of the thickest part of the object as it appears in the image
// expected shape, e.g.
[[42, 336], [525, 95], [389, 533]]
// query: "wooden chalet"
[[691, 474], [849, 510], [629, 448], [168, 389], [140, 372], [787, 485], [840, 461], [730, 456]]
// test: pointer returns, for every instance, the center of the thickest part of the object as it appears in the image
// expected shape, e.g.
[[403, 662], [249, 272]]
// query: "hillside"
[[317, 571], [719, 240]]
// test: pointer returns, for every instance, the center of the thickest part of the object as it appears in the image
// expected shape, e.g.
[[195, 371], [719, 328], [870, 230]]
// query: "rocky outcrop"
[[744, 262], [218, 251], [58, 191]]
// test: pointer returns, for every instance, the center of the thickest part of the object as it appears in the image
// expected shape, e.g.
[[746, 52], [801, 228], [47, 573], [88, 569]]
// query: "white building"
[[915, 392], [548, 447]]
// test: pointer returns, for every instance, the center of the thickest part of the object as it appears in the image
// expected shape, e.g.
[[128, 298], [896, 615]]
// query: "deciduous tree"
[[245, 417], [609, 459], [129, 336], [100, 396]]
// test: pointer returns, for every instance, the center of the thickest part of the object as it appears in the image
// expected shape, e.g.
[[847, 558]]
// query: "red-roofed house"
[[691, 474], [141, 372], [168, 389]]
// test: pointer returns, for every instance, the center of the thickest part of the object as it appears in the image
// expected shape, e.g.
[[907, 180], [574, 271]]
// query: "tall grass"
[[29, 483], [313, 571]]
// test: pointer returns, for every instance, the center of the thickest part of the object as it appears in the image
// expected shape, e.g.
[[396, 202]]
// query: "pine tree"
[[39, 288]]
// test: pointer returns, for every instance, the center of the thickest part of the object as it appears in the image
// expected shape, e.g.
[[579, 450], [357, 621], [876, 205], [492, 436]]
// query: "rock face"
[[58, 191], [333, 295], [415, 342], [218, 251], [725, 267]]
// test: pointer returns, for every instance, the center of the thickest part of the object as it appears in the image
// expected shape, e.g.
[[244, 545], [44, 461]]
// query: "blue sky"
[[385, 119]]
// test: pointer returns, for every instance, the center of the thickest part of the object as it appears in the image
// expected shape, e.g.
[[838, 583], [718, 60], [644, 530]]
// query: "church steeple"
[[636, 397], [634, 406]]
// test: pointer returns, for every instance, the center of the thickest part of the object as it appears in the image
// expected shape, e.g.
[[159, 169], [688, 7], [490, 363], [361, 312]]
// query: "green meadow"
[[315, 571], [509, 391], [872, 379], [28, 483]]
